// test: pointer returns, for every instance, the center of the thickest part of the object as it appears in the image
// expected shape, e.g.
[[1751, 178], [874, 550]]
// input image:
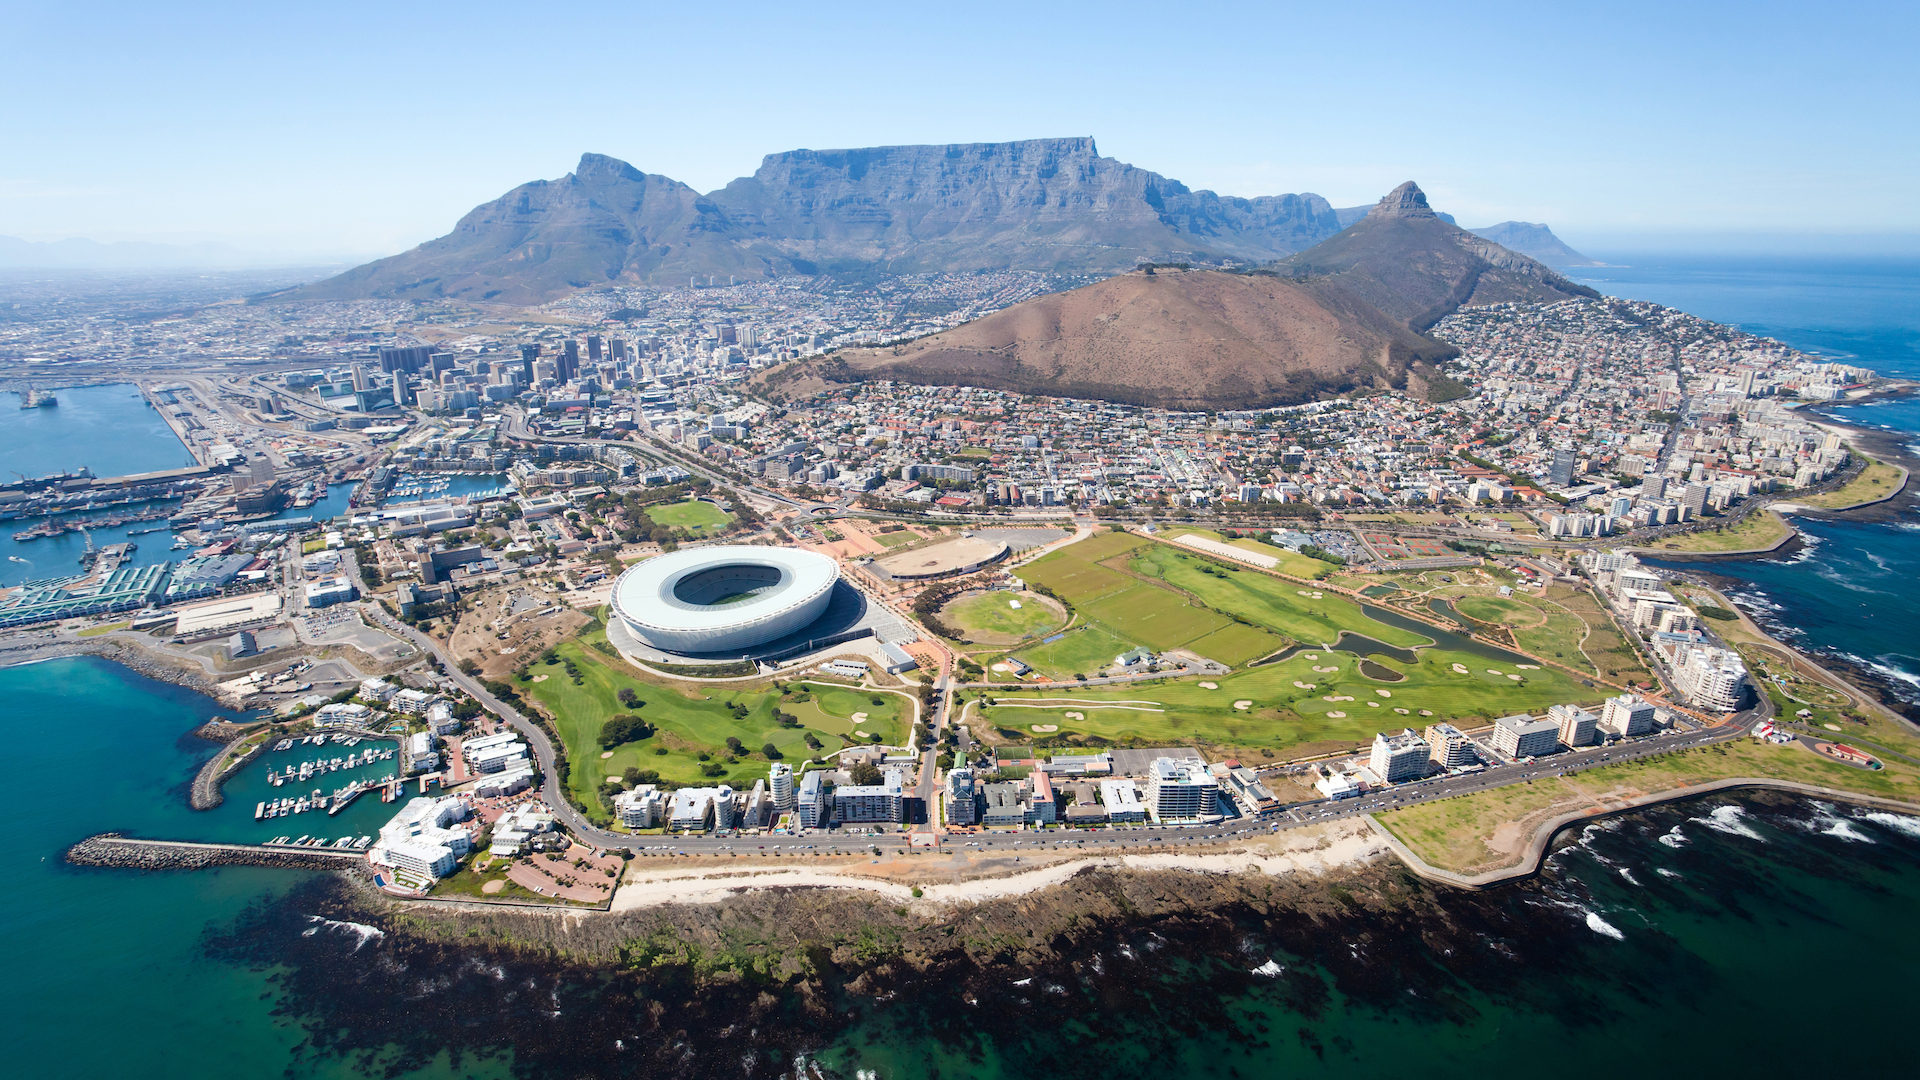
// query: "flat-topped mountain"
[[1534, 241], [1404, 260], [1040, 204], [1178, 340]]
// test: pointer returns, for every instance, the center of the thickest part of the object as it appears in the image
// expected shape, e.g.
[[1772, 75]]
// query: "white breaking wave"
[[1674, 838], [1601, 926], [1269, 969], [1845, 830], [1901, 823], [1664, 872], [1729, 820], [361, 931], [1628, 874]]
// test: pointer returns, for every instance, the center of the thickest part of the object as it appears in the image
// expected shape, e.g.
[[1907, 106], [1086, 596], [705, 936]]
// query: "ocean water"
[[1845, 593], [1707, 938]]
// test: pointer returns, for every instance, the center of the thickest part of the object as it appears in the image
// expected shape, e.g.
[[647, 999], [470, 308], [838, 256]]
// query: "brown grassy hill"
[[1180, 340]]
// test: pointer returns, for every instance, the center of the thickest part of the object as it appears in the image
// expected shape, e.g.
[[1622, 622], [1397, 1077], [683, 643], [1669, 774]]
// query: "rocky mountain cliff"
[[1408, 263], [1534, 241], [1042, 204]]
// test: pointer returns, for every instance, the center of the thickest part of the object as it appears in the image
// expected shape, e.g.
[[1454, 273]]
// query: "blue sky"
[[355, 129]]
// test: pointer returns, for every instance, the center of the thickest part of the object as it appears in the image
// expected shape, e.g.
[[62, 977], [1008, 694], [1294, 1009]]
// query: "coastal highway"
[[855, 840]]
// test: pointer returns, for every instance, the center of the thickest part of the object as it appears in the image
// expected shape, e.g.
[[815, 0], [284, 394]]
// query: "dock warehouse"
[[226, 614]]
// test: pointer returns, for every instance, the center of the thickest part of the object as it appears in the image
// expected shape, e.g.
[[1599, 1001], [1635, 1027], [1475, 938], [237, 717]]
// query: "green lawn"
[[1284, 715], [1271, 602], [832, 708], [1180, 600], [1085, 650], [1459, 833], [1497, 610], [895, 539], [1758, 530], [992, 615], [698, 518], [1877, 481], [1073, 571], [690, 723]]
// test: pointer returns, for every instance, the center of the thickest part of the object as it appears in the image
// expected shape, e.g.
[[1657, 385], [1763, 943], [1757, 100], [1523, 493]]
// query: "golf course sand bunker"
[[1210, 686], [1243, 704], [1046, 727]]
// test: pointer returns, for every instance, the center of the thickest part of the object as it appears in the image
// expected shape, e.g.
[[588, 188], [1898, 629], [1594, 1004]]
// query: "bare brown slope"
[[1192, 340]]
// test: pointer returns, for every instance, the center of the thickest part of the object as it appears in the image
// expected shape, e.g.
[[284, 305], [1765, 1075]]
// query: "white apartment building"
[[780, 782], [642, 808], [1400, 757], [1521, 736], [1626, 715], [872, 803], [1449, 746], [1122, 800], [1181, 790], [1711, 678], [1577, 725]]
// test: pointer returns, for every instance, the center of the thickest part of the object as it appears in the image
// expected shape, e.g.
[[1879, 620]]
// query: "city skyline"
[[1758, 128]]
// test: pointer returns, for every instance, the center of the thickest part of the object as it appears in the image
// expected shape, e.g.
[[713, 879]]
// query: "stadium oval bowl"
[[723, 599]]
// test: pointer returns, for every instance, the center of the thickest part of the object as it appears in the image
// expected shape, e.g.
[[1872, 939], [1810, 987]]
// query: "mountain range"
[[1350, 313], [1040, 204]]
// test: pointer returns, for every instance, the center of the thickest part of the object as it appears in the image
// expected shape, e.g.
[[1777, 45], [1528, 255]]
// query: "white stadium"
[[723, 599]]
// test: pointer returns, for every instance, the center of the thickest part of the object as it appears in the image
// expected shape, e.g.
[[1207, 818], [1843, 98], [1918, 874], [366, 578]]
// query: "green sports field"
[[992, 616], [698, 518]]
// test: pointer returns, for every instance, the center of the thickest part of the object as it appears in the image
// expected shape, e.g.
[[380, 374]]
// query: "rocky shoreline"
[[149, 662], [1116, 963]]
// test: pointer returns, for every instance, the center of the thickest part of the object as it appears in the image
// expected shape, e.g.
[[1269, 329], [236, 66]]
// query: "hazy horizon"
[[359, 131]]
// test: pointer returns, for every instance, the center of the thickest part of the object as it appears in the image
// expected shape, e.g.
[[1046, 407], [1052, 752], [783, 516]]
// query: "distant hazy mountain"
[[1043, 204], [80, 254], [1407, 262], [1535, 241]]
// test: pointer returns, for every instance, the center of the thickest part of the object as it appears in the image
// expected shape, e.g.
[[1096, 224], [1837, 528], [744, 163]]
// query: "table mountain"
[[1041, 204], [1536, 242]]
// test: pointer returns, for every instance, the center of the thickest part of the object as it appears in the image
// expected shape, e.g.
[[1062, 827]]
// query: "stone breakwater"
[[206, 792], [113, 850]]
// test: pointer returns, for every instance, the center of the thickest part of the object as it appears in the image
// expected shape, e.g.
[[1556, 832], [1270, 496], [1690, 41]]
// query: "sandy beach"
[[1313, 851]]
